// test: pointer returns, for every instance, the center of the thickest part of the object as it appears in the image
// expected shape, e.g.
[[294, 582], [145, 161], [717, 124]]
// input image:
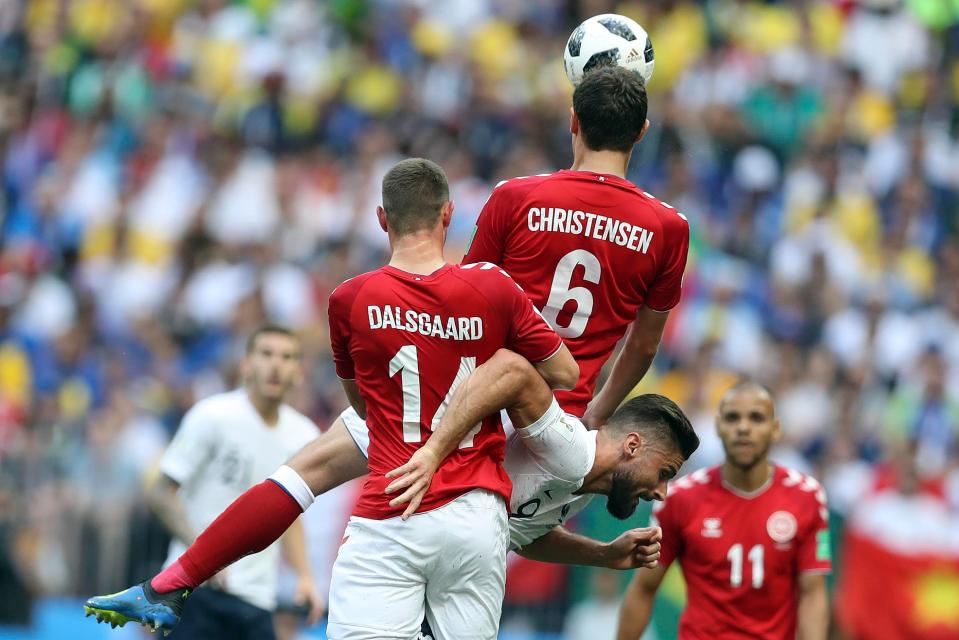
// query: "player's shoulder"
[[299, 424], [798, 486], [508, 195], [349, 288], [211, 410], [521, 185], [485, 275], [667, 214], [691, 486]]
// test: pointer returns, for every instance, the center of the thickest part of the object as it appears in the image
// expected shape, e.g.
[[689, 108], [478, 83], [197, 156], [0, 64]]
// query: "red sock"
[[252, 523]]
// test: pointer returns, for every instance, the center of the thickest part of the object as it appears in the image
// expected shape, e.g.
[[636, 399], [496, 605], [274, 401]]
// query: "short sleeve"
[[339, 314], [815, 551], [489, 236], [666, 289], [193, 445], [529, 334], [664, 517]]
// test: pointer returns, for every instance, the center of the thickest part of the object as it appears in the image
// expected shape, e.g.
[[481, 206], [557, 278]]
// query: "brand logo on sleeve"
[[712, 528], [782, 526]]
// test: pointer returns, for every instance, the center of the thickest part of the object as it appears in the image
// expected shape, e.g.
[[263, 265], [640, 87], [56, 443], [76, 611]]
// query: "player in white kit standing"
[[224, 445]]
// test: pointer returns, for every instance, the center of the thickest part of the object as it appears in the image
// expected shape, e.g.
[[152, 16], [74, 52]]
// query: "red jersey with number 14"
[[590, 249], [408, 340], [742, 554]]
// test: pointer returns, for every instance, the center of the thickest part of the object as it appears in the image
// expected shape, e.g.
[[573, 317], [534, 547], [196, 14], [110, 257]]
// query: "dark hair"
[[611, 105], [266, 329], [414, 191], [658, 416]]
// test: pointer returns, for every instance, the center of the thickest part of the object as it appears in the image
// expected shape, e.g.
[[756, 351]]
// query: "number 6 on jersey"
[[560, 292]]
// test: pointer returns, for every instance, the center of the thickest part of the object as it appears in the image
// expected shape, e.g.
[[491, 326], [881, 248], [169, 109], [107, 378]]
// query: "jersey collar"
[[747, 495], [418, 277]]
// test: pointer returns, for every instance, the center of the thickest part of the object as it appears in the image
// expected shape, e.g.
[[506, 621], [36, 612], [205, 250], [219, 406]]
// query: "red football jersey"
[[408, 340], [590, 250], [742, 554]]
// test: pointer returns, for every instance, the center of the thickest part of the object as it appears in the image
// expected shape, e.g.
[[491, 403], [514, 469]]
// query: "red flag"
[[900, 576]]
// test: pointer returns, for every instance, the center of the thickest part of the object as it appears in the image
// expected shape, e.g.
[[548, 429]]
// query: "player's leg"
[[260, 516], [467, 581], [254, 521], [377, 589]]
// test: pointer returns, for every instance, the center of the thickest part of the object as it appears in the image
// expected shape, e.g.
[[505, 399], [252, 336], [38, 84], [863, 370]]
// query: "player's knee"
[[515, 366]]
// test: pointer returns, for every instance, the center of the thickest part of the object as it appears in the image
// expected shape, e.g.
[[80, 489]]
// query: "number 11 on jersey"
[[406, 361], [755, 556]]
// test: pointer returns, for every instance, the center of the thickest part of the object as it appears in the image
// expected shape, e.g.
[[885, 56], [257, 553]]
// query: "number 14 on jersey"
[[406, 361]]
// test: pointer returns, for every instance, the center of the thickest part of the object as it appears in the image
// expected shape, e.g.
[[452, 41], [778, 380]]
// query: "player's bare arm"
[[636, 548], [813, 615], [163, 500], [506, 380], [637, 606], [353, 394], [632, 363], [294, 548], [560, 370]]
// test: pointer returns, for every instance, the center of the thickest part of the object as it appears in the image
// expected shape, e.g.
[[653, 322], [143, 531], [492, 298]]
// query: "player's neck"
[[420, 253], [599, 479], [608, 162], [749, 479], [268, 408]]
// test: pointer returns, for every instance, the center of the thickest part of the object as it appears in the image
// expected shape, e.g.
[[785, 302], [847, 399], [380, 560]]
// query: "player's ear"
[[446, 213], [643, 132], [777, 430], [381, 216], [573, 122], [633, 444]]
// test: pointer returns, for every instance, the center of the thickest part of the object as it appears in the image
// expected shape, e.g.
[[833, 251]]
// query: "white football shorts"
[[448, 564]]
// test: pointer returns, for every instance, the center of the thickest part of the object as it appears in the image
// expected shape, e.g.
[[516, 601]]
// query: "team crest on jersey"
[[782, 526], [712, 528]]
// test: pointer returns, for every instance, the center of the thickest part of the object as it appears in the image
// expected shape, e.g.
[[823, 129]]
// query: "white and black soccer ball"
[[608, 39]]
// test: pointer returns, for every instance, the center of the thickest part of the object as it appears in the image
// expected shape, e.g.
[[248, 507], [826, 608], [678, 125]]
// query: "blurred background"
[[176, 172]]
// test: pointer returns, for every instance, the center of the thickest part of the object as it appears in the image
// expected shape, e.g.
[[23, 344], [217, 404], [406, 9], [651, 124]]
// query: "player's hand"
[[307, 595], [636, 548], [593, 419], [414, 476]]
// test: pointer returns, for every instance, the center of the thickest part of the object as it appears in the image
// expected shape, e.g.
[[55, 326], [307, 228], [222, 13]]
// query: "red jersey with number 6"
[[408, 340], [742, 554], [590, 249]]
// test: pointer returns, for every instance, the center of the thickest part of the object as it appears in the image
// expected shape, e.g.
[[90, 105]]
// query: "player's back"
[[408, 339], [742, 553], [590, 250]]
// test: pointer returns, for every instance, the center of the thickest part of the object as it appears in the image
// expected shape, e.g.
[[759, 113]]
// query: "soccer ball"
[[608, 39]]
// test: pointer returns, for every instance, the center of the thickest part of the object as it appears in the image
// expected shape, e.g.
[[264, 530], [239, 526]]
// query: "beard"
[[621, 501]]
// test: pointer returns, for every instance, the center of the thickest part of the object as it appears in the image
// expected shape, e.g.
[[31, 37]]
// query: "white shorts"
[[448, 564]]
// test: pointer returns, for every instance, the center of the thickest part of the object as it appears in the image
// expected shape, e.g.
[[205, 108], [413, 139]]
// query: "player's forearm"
[[635, 612], [560, 371], [630, 366], [494, 385], [562, 546], [813, 613], [294, 548], [170, 512]]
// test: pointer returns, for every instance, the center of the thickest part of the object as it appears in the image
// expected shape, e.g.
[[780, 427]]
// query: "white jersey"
[[547, 462], [221, 449]]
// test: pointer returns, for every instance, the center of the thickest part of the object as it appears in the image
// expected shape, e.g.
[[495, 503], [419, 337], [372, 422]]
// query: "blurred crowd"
[[175, 172]]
